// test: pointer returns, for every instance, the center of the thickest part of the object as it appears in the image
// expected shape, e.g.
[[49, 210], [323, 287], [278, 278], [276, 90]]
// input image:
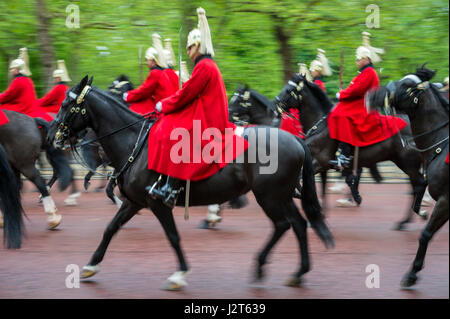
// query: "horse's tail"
[[376, 173], [56, 158], [310, 201], [10, 204]]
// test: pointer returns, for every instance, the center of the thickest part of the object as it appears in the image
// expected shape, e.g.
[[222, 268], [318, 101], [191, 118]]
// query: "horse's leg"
[[438, 218], [418, 183], [71, 200], [300, 229], [125, 213], [53, 219], [281, 225], [165, 217], [110, 193], [87, 179]]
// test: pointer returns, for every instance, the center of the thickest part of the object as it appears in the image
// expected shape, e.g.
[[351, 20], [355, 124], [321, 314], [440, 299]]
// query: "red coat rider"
[[350, 123], [199, 106], [20, 95], [51, 102], [157, 85]]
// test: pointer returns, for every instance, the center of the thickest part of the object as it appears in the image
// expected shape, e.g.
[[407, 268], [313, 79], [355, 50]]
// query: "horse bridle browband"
[[79, 108]]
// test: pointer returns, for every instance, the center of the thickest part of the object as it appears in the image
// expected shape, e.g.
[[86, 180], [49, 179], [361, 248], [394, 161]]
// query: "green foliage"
[[247, 49]]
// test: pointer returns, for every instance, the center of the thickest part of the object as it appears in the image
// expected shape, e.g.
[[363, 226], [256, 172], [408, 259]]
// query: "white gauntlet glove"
[[124, 96], [159, 106], [337, 95]]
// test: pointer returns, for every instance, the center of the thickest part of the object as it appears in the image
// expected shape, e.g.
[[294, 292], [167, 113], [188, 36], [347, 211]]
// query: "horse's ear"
[[82, 83], [90, 81]]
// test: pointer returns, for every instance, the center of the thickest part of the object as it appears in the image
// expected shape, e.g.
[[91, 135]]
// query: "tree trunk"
[[285, 50], [47, 55]]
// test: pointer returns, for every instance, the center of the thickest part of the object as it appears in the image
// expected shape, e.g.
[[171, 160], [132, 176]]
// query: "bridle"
[[63, 132], [245, 103]]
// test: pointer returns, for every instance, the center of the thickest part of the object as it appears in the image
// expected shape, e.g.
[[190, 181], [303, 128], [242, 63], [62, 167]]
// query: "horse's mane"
[[114, 100], [262, 99], [324, 101], [425, 74], [123, 77]]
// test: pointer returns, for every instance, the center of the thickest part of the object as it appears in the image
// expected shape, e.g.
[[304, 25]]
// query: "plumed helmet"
[[321, 64], [17, 64], [61, 71], [156, 52], [168, 52], [202, 35], [373, 52], [23, 55]]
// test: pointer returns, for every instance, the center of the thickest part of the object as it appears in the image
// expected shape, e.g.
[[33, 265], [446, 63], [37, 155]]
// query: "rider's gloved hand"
[[124, 96], [158, 106], [337, 95]]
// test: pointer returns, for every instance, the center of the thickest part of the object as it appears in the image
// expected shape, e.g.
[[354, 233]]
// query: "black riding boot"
[[344, 156], [353, 182], [167, 192]]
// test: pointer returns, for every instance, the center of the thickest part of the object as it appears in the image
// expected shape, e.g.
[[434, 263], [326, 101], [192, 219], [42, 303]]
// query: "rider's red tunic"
[[202, 99], [173, 77], [21, 97], [51, 102], [292, 125], [349, 121], [156, 87], [3, 118]]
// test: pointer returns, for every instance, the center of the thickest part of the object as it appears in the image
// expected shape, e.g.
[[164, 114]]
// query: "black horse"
[[23, 138], [248, 106], [91, 107], [428, 111], [10, 204], [314, 106]]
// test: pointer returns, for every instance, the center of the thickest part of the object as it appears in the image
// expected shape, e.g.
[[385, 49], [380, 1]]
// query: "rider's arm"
[[11, 93], [358, 88], [145, 91], [50, 98], [190, 91]]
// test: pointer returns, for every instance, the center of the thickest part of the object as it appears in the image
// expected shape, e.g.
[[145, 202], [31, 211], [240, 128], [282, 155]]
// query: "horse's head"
[[405, 95], [239, 106], [72, 116], [292, 94], [250, 107]]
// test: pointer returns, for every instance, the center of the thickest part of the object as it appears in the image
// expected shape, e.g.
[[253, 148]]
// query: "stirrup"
[[151, 189]]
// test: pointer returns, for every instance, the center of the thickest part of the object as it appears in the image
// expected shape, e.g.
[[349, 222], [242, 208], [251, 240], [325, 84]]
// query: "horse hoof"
[[204, 224], [400, 227], [346, 202], [176, 281], [409, 280], [172, 286], [423, 214], [1, 222], [89, 271], [293, 281], [53, 221]]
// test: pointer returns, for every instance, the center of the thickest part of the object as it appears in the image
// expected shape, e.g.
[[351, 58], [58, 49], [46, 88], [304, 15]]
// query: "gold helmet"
[[202, 35], [61, 71]]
